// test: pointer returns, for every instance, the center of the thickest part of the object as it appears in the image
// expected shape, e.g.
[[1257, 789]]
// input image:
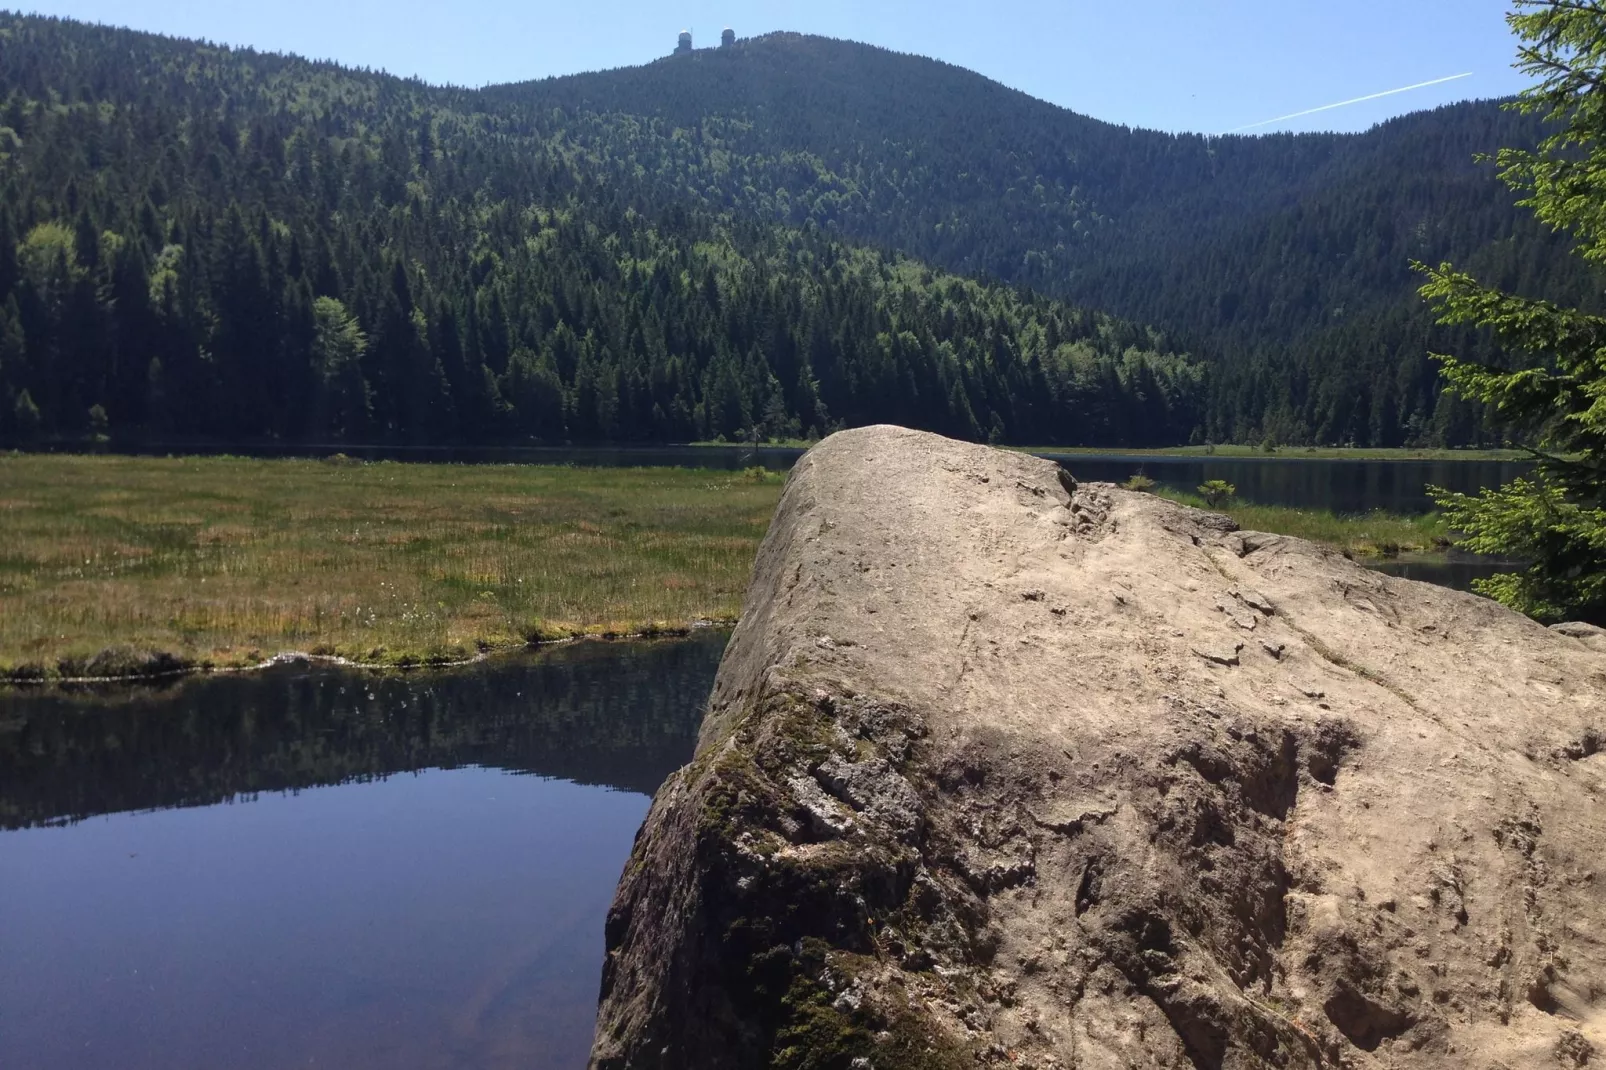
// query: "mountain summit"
[[1285, 257]]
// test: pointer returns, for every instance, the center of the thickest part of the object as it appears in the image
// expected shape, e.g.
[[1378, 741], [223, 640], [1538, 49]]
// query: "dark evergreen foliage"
[[221, 243], [1284, 260], [209, 243], [1553, 385]]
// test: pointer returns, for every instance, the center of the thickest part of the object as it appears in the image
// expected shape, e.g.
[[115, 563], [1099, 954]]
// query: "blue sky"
[[1203, 65]]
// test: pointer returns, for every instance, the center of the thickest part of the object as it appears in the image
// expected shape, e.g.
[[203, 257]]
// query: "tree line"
[[1282, 261], [203, 243], [784, 237]]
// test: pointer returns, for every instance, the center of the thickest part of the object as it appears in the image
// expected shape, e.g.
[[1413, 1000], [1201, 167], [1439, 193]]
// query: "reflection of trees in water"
[[618, 715]]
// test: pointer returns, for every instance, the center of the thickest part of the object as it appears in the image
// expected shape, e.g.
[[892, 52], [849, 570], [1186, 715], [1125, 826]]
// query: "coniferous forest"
[[786, 236]]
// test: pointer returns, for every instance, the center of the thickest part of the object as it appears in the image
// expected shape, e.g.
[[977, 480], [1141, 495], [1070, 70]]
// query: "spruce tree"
[[1553, 393]]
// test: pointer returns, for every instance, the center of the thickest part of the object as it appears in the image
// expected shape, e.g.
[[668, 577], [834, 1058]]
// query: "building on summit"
[[683, 47]]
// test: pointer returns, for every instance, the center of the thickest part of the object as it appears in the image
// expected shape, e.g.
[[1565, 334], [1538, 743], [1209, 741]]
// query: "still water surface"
[[320, 867], [1341, 486], [1454, 570]]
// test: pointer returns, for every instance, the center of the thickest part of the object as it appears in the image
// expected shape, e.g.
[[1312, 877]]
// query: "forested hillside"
[[786, 235], [197, 242], [1285, 259]]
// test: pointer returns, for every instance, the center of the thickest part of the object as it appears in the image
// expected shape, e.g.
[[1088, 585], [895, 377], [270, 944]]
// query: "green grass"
[[223, 561], [1374, 534]]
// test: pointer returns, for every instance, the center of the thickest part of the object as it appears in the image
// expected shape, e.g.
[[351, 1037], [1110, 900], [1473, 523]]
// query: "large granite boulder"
[[1000, 770]]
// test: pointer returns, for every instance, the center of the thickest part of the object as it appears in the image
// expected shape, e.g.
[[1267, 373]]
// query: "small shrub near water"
[[1217, 493], [1140, 483]]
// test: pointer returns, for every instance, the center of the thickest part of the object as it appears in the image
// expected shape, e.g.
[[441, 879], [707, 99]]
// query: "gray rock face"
[[1004, 770]]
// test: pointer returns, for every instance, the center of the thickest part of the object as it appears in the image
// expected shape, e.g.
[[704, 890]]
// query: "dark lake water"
[[321, 867], [1447, 570], [1340, 485]]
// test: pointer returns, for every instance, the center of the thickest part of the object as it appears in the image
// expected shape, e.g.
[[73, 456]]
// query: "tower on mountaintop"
[[684, 47]]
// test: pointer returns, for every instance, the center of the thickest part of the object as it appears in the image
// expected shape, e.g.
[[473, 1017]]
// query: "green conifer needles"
[[1553, 391]]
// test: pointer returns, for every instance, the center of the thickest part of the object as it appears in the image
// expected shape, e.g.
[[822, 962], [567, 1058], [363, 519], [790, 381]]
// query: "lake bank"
[[1376, 534], [114, 566]]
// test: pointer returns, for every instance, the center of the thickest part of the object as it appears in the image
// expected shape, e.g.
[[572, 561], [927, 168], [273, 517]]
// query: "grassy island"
[[223, 561]]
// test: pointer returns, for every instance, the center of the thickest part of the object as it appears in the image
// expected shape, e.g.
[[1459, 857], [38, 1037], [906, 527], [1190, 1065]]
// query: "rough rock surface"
[[1000, 770]]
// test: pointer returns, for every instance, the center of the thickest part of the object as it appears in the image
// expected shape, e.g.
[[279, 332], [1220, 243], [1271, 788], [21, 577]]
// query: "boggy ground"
[[1003, 771], [126, 565]]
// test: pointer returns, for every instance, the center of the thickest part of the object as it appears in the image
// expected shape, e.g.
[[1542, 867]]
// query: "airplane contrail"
[[1347, 103]]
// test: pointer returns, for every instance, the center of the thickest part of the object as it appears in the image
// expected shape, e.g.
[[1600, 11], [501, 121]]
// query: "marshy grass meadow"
[[221, 561]]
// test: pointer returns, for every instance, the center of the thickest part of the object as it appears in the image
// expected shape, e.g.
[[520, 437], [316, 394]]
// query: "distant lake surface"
[[1316, 483], [1343, 486], [1454, 570], [322, 867]]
